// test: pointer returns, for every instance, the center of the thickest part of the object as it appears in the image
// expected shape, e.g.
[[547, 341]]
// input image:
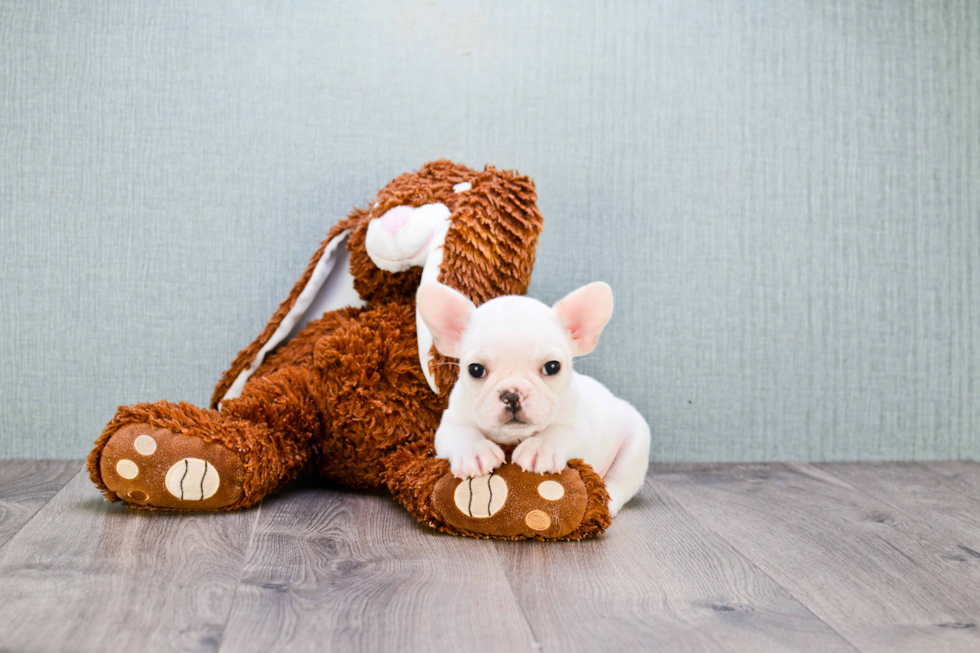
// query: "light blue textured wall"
[[784, 195]]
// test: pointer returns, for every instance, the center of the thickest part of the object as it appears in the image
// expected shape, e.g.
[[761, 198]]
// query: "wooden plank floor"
[[765, 557]]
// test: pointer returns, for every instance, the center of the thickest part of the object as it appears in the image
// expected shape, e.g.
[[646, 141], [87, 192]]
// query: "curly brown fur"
[[346, 397], [377, 397], [411, 473], [489, 250], [597, 517]]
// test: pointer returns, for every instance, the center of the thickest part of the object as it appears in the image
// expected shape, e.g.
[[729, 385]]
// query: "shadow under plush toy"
[[344, 381]]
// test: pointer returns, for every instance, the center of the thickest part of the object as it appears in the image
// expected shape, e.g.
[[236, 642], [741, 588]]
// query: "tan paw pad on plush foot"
[[513, 503], [154, 467]]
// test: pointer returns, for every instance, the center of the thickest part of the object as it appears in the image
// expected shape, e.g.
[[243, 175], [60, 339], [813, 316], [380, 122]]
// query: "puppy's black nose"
[[512, 401]]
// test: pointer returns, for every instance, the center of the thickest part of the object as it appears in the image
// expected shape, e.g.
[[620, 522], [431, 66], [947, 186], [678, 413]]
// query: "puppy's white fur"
[[550, 417]]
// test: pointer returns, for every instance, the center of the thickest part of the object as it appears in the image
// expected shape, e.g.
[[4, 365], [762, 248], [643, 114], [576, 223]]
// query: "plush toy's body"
[[344, 383]]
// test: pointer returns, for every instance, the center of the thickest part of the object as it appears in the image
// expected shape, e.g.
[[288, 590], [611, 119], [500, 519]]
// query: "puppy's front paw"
[[477, 460], [540, 456]]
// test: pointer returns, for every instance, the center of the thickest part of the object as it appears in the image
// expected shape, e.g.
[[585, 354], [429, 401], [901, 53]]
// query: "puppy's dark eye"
[[477, 371], [551, 367]]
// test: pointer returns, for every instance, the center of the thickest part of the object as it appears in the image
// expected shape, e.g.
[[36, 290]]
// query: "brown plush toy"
[[344, 381]]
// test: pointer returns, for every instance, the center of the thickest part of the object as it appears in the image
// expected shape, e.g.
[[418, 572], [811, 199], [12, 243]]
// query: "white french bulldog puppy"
[[517, 387]]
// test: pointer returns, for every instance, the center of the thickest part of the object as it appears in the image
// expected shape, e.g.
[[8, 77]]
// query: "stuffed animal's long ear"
[[446, 312], [584, 313], [326, 285]]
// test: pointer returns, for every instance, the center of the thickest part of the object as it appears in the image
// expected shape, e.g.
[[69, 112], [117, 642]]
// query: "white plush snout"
[[404, 236]]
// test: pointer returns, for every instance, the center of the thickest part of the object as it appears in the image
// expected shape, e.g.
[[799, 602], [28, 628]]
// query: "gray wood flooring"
[[763, 557]]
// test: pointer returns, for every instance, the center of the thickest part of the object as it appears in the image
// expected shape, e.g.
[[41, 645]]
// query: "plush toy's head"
[[475, 231]]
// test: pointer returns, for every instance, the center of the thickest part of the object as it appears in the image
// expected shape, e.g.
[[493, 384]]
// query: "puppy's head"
[[515, 353]]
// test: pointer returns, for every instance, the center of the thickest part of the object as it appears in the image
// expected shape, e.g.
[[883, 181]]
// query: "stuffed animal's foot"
[[150, 466], [511, 503]]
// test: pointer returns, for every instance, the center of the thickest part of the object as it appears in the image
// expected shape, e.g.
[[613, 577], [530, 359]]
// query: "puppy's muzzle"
[[511, 401]]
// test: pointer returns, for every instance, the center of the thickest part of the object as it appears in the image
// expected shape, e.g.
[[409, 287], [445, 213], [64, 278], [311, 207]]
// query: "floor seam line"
[[911, 517], [513, 593], [752, 562], [241, 575], [36, 512]]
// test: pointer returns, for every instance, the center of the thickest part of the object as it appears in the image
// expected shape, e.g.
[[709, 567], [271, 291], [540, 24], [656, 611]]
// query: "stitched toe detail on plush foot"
[[153, 467], [513, 504]]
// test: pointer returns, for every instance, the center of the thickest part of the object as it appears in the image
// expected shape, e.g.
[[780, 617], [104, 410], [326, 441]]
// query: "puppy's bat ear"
[[446, 312], [584, 313]]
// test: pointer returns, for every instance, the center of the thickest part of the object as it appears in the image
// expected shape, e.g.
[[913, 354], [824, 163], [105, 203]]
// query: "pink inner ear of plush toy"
[[395, 219], [584, 313]]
